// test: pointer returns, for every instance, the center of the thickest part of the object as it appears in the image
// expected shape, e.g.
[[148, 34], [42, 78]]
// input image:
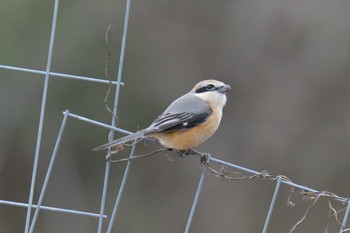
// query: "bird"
[[188, 121]]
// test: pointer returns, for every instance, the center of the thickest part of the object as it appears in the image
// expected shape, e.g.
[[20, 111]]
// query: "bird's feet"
[[180, 153], [203, 156]]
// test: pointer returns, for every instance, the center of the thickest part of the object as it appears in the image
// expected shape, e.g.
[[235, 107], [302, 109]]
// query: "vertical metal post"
[[346, 216], [103, 199], [115, 108], [196, 199], [48, 173], [42, 115], [272, 205], [121, 191]]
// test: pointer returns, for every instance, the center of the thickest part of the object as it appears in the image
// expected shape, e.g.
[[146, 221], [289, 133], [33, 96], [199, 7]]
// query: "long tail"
[[121, 141]]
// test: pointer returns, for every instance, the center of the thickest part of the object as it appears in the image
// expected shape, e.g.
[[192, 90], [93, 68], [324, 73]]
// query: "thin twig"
[[328, 220], [301, 220], [108, 58], [341, 210], [312, 196], [138, 156], [335, 213], [306, 213], [289, 202], [224, 175]]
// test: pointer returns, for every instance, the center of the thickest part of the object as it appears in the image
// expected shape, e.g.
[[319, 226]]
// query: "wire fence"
[[32, 218]]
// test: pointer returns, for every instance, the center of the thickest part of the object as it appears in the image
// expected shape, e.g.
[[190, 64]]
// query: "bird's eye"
[[210, 87]]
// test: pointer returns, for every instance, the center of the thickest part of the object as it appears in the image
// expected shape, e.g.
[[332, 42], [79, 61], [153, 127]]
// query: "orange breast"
[[186, 139]]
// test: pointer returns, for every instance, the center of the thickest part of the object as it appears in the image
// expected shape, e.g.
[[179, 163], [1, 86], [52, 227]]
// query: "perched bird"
[[188, 121]]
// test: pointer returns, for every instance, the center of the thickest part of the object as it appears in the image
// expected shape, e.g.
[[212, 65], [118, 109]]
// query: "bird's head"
[[212, 91]]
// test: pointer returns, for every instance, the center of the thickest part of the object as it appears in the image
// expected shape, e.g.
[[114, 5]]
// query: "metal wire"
[[196, 198], [53, 209], [346, 216], [111, 135], [47, 177], [199, 188], [59, 75], [272, 205], [42, 115], [279, 181], [287, 182], [120, 192]]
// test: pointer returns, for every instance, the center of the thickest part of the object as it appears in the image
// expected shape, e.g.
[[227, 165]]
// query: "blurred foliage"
[[288, 111]]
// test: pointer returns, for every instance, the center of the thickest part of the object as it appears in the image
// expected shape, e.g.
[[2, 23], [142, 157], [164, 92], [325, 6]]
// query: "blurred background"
[[288, 112]]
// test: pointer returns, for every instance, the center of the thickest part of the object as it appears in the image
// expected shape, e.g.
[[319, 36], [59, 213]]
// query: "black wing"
[[178, 121], [184, 113]]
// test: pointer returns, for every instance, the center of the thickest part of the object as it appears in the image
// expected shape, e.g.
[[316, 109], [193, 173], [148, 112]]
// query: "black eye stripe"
[[201, 90], [207, 88]]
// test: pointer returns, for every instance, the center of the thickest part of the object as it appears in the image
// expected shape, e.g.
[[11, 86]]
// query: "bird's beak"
[[224, 89]]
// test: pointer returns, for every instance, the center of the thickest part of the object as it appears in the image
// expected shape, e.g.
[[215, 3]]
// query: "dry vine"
[[108, 58], [223, 174]]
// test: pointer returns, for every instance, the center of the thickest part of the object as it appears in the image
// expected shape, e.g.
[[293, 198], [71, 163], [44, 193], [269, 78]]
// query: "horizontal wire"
[[98, 123], [55, 209], [213, 159], [287, 182], [60, 75]]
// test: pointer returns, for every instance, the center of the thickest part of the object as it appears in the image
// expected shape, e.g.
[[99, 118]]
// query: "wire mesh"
[[31, 220]]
